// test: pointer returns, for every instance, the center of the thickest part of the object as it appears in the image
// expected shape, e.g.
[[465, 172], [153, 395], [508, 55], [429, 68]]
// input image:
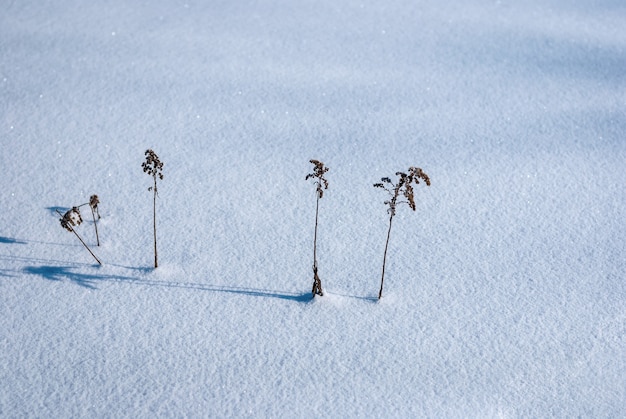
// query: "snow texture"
[[504, 291]]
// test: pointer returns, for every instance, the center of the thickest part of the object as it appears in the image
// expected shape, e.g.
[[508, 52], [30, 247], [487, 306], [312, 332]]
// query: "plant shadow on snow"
[[251, 292], [54, 211], [8, 240], [59, 273], [370, 299]]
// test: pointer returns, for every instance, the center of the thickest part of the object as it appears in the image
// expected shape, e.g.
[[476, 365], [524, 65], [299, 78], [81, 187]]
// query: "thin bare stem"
[[156, 262], [317, 282], [320, 184], [153, 167], [317, 207], [382, 278], [87, 247], [95, 224], [93, 205], [70, 228]]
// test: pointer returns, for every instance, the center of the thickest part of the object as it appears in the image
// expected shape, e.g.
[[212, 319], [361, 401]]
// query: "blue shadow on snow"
[[252, 292], [8, 240], [59, 273]]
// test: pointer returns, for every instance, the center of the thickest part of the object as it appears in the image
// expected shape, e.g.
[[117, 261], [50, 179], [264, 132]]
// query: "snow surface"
[[505, 291]]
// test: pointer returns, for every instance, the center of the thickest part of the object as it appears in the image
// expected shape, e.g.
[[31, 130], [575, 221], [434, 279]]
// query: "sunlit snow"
[[504, 291]]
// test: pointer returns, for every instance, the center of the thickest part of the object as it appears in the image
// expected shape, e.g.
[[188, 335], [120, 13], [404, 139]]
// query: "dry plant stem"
[[93, 205], [317, 282], [400, 189], [320, 184], [83, 243], [156, 262], [382, 278], [95, 224], [153, 167], [87, 247]]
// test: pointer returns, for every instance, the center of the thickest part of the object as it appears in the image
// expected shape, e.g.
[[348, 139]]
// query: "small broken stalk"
[[93, 204], [73, 218]]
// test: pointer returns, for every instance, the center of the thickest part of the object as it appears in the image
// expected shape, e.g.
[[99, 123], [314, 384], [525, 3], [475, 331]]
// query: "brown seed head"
[[93, 202], [152, 166], [71, 218], [403, 187], [318, 172]]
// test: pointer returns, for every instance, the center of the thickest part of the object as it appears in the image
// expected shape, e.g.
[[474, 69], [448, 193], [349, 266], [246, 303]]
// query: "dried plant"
[[93, 204], [153, 167], [321, 183], [404, 190], [71, 219]]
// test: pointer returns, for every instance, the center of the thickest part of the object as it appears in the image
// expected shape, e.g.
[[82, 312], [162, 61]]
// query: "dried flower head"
[[318, 172], [93, 203], [152, 166], [71, 218], [403, 187]]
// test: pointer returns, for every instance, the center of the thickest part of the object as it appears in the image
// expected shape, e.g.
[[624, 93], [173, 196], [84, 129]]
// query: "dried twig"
[[153, 167], [321, 184], [93, 204], [402, 188], [71, 219]]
